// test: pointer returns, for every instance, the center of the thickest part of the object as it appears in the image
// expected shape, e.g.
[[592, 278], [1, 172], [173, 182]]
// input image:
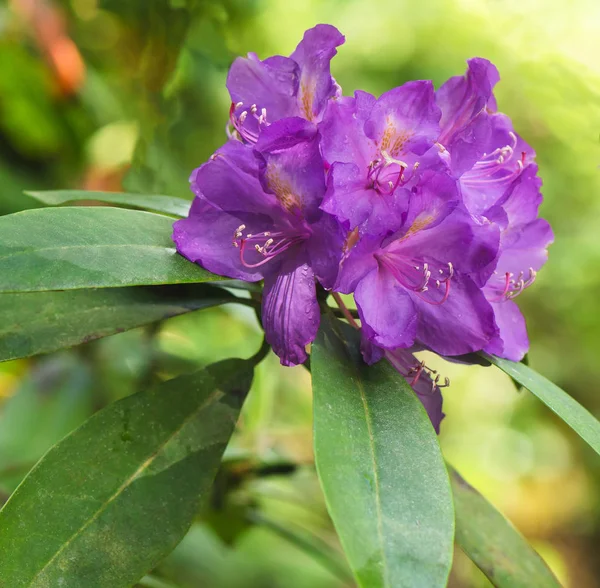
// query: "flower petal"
[[350, 200], [325, 249], [205, 237], [465, 123], [271, 84], [511, 342], [314, 54], [427, 392], [405, 119], [462, 324], [342, 131], [290, 311], [388, 316], [291, 166], [229, 181]]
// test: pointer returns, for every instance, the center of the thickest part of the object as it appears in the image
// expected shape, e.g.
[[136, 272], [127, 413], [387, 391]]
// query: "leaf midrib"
[[94, 246], [376, 479], [147, 462]]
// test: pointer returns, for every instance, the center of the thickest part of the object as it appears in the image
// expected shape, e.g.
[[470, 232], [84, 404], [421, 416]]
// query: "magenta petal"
[[314, 54], [290, 311], [386, 311], [512, 341], [405, 119]]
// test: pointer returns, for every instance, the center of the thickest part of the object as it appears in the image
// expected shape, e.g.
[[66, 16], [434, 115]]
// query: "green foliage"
[[95, 511], [497, 548], [153, 203], [119, 493], [566, 407], [39, 322], [90, 247], [381, 468]]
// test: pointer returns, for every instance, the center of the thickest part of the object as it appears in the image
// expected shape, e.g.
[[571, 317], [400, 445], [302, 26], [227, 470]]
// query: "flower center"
[[499, 167], [244, 123], [429, 281], [510, 286], [259, 248], [385, 173]]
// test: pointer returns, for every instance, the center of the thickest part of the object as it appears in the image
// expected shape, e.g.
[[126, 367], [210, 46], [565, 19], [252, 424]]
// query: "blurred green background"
[[114, 94]]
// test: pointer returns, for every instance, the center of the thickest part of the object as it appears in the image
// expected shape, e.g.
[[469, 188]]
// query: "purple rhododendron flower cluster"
[[421, 203]]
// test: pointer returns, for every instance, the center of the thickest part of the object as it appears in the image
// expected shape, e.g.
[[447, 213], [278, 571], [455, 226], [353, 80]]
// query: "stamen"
[[513, 287], [267, 244]]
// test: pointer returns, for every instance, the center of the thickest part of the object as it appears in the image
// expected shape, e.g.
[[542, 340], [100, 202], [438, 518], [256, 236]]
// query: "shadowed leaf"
[[90, 247], [39, 322], [113, 498]]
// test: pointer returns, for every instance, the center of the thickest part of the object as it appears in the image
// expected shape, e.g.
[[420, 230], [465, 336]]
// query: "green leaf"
[[151, 202], [494, 545], [380, 466], [90, 247], [108, 502], [39, 322], [567, 408]]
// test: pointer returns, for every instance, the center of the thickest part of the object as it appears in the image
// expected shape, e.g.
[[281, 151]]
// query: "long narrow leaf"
[[381, 469], [494, 545], [566, 407], [152, 202], [39, 322], [90, 247], [112, 499]]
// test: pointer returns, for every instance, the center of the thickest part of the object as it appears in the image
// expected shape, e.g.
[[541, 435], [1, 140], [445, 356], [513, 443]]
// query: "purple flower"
[[423, 380], [423, 282], [256, 216], [374, 148], [263, 92], [523, 251], [485, 153]]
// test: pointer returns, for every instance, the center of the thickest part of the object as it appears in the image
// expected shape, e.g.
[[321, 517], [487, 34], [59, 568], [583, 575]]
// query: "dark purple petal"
[[462, 324], [405, 120], [205, 237], [386, 311], [427, 392], [271, 84], [229, 181], [290, 311], [511, 342], [314, 55], [291, 166], [325, 249]]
